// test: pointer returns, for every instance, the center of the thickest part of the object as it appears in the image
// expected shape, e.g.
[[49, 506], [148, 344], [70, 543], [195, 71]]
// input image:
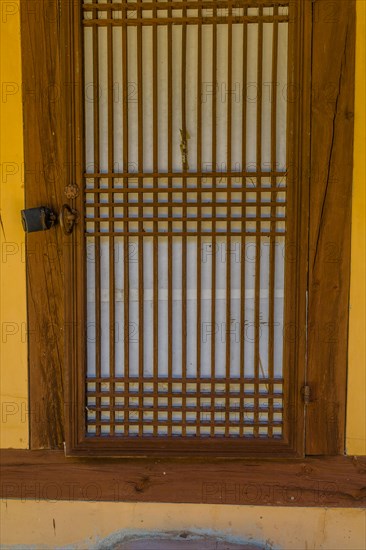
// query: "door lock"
[[43, 218]]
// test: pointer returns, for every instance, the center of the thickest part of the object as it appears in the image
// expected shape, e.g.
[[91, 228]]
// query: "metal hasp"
[[41, 218], [68, 218]]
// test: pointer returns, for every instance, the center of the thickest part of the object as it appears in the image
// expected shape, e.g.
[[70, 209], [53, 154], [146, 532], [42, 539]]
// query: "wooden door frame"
[[48, 171]]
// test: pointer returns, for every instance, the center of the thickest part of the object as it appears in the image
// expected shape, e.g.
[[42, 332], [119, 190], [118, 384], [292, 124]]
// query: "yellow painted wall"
[[13, 354], [356, 403], [53, 524]]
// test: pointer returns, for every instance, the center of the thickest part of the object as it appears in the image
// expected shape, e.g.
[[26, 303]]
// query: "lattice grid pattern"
[[215, 209], [178, 407], [182, 159]]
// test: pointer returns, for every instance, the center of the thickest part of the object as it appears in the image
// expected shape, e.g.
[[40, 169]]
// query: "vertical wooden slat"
[[257, 358], [297, 181], [155, 223], [213, 276], [140, 214], [228, 238], [112, 308], [184, 238], [199, 215], [170, 223], [76, 306], [96, 127], [243, 215], [272, 245], [126, 266], [330, 215]]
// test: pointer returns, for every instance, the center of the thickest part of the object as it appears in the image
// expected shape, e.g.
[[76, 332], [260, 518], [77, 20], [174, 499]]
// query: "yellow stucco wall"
[[13, 354], [53, 524], [277, 528], [356, 403]]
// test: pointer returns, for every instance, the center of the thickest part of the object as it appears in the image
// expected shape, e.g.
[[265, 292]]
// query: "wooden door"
[[187, 139], [190, 180]]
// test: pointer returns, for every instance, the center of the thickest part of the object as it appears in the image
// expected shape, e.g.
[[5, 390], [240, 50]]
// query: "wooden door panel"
[[330, 226], [46, 174], [54, 97], [184, 351]]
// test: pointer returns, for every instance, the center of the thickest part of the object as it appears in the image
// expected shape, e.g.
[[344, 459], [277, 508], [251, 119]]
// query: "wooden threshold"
[[318, 481]]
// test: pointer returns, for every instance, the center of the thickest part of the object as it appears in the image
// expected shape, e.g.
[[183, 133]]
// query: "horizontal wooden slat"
[[181, 218], [188, 190], [203, 409], [189, 4], [133, 22], [182, 233], [203, 174], [203, 204]]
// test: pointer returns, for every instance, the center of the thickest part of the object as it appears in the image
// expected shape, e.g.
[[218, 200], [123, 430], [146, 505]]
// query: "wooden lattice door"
[[187, 302]]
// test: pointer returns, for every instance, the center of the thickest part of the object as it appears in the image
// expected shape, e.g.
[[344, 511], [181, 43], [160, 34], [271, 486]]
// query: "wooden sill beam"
[[336, 481]]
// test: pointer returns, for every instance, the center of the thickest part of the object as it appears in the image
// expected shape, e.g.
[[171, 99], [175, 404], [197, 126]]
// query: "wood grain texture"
[[330, 223], [40, 475], [45, 179]]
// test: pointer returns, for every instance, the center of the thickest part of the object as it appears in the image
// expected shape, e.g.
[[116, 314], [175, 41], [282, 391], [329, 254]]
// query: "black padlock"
[[38, 219]]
